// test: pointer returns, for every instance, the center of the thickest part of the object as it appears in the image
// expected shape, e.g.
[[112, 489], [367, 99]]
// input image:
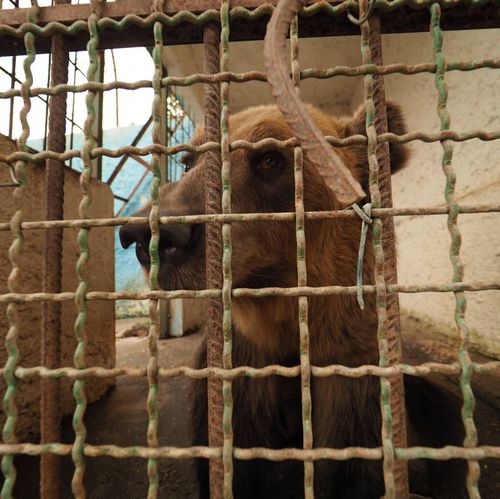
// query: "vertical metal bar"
[[97, 124], [213, 204], [9, 405], [303, 309], [164, 313], [73, 100], [50, 345], [77, 485], [154, 223], [470, 440], [227, 361], [46, 124], [12, 85], [387, 396], [393, 325]]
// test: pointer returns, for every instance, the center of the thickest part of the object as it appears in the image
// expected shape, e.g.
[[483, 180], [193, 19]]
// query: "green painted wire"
[[303, 301], [227, 395], [9, 428], [154, 215], [454, 252], [77, 453]]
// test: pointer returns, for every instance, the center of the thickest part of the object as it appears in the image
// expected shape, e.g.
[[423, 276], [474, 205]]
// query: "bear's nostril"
[[177, 241], [130, 234]]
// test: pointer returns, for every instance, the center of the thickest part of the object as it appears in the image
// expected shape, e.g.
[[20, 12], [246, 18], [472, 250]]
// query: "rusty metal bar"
[[303, 302], [320, 73], [257, 293], [227, 326], [393, 325], [326, 160], [372, 453], [50, 345], [247, 217], [491, 367], [244, 144], [213, 204], [249, 18]]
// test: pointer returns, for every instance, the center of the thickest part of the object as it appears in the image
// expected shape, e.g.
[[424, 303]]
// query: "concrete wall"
[[100, 324], [423, 242]]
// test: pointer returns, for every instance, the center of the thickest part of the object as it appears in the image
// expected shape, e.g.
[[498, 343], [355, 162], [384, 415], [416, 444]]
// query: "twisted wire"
[[9, 404], [303, 303], [154, 214], [77, 485], [470, 440], [227, 363]]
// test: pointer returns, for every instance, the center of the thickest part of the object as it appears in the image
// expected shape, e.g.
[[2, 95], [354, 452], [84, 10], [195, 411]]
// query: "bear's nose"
[[175, 240]]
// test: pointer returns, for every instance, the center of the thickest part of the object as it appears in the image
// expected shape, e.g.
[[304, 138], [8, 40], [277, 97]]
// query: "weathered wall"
[[423, 242], [100, 324]]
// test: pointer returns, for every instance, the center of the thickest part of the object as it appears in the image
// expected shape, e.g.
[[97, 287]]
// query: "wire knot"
[[365, 215]]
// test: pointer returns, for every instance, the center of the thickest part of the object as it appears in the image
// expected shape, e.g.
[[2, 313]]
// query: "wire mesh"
[[224, 453]]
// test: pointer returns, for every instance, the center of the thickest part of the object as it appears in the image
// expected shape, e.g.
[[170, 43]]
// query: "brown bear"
[[267, 411]]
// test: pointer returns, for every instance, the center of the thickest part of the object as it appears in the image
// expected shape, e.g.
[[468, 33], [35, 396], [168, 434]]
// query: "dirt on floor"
[[120, 418]]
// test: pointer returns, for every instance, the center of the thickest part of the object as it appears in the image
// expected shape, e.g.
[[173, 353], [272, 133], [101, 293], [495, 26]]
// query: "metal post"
[[393, 333], [213, 204], [50, 412], [97, 125]]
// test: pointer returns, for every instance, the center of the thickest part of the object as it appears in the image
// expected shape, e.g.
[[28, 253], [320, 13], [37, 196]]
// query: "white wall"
[[423, 242]]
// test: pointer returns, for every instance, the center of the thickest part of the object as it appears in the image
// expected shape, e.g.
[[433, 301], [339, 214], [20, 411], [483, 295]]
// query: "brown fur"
[[267, 412]]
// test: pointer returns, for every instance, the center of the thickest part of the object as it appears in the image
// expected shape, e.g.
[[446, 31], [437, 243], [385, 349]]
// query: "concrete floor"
[[120, 418]]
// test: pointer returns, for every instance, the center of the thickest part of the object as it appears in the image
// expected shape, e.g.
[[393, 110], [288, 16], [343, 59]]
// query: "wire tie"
[[366, 15], [365, 215]]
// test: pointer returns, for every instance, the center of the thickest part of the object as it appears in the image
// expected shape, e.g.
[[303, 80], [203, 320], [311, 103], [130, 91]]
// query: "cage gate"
[[61, 28]]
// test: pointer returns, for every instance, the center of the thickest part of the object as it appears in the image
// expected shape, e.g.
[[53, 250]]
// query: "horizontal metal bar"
[[252, 217], [372, 453], [247, 371], [311, 73], [118, 28], [251, 293], [244, 144]]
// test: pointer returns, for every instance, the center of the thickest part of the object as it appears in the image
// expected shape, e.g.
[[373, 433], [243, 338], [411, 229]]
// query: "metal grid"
[[221, 448]]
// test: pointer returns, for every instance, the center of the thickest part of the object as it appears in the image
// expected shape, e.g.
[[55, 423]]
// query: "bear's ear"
[[356, 125]]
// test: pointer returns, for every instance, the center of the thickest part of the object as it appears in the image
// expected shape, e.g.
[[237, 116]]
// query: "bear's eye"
[[188, 161], [270, 161]]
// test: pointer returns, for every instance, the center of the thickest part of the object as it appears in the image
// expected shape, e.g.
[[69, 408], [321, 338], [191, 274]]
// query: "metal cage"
[[125, 23]]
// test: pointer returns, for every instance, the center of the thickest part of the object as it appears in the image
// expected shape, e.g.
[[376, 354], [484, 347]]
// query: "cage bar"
[[213, 204], [303, 304], [470, 440], [227, 331], [248, 17], [9, 404], [50, 345], [390, 348]]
